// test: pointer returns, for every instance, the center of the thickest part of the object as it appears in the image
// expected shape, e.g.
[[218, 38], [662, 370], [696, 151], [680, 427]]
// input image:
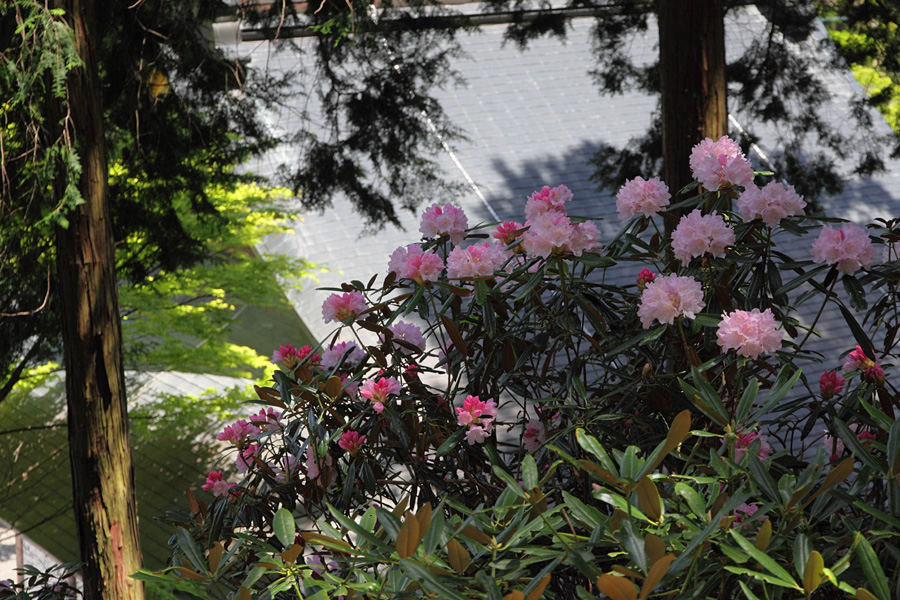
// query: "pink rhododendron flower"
[[668, 298], [409, 333], [509, 232], [291, 357], [744, 512], [834, 446], [379, 391], [478, 416], [857, 361], [346, 351], [477, 260], [874, 375], [449, 221], [548, 232], [535, 435], [698, 234], [343, 307], [237, 432], [245, 458], [351, 441], [319, 468], [216, 484], [720, 164], [750, 333], [772, 203], [848, 247], [412, 262], [866, 437], [745, 440], [285, 469], [638, 195], [645, 277], [585, 238], [831, 384], [547, 199], [351, 388]]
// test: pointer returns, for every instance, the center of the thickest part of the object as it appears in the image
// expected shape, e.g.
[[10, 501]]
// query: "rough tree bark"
[[100, 452], [692, 81]]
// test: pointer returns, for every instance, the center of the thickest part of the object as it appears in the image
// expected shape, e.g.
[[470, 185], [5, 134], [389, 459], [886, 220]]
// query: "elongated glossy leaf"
[[648, 497], [872, 568], [617, 588], [408, 539], [590, 444], [283, 527], [457, 556], [656, 574], [693, 499], [190, 549], [763, 559], [634, 544], [858, 333], [812, 573], [351, 525], [428, 581], [529, 472]]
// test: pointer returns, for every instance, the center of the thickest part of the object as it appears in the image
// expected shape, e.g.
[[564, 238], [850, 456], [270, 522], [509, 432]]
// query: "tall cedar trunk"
[[692, 81], [99, 448]]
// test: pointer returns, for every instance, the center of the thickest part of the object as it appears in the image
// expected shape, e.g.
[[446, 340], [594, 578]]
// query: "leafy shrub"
[[538, 416]]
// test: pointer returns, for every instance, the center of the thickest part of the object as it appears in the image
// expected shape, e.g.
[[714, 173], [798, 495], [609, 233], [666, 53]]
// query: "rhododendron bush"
[[525, 410]]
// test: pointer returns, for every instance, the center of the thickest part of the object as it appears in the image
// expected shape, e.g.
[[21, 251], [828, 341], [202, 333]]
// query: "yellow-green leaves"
[[812, 572]]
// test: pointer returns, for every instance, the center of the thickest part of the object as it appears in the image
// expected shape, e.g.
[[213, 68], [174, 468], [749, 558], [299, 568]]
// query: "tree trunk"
[[99, 448], [692, 81]]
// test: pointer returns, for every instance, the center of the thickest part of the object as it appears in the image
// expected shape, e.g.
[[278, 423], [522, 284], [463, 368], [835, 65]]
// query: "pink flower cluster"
[[351, 442], [535, 435], [772, 203], [216, 484], [379, 391], [477, 260], [857, 360], [238, 432], [284, 470], [346, 351], [508, 232], [343, 307], [720, 164], [550, 231], [698, 234], [291, 357], [478, 416], [849, 248], [831, 384], [409, 333], [449, 221], [638, 195], [411, 262], [743, 513], [319, 468], [245, 457], [548, 199], [745, 440], [267, 419], [750, 333], [668, 298]]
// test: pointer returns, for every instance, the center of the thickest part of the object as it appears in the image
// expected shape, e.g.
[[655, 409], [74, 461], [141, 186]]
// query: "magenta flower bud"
[[645, 277], [831, 384], [874, 375]]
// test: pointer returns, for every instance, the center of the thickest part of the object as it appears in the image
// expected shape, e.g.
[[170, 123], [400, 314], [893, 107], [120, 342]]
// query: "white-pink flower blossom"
[[669, 297], [639, 195], [749, 333], [379, 391], [349, 352], [411, 262], [720, 164], [477, 260], [698, 234], [535, 435], [745, 440], [342, 307], [318, 468], [409, 333], [449, 221], [547, 199], [848, 247], [238, 432], [772, 203], [478, 415]]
